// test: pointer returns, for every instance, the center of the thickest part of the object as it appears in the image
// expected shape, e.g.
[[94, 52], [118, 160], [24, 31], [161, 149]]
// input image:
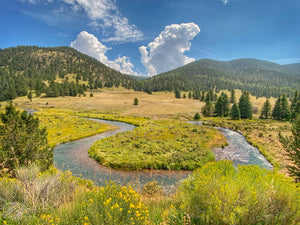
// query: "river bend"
[[74, 156]]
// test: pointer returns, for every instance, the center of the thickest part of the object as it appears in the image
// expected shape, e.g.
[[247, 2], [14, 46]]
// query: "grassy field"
[[117, 104], [159, 144]]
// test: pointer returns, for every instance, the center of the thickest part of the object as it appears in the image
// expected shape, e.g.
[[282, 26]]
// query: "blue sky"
[[147, 37]]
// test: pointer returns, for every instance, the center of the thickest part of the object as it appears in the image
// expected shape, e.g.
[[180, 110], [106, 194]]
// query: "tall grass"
[[31, 193]]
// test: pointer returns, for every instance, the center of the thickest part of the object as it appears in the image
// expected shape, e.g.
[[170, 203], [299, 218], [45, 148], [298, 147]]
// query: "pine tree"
[[232, 96], [292, 146], [295, 105], [208, 109], [222, 105], [190, 95], [245, 106], [22, 141], [286, 114], [29, 96], [197, 116], [266, 110], [184, 96], [135, 101], [177, 93], [277, 111], [235, 112]]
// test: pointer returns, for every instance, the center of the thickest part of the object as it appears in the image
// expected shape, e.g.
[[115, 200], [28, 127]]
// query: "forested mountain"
[[47, 70], [62, 71], [259, 77], [292, 68]]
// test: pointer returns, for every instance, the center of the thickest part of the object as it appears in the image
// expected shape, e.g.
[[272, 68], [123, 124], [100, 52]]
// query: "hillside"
[[261, 78], [54, 71]]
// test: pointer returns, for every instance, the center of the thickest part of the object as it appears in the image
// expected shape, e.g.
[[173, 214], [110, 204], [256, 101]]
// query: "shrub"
[[219, 193], [112, 204], [135, 101], [151, 189], [197, 116]]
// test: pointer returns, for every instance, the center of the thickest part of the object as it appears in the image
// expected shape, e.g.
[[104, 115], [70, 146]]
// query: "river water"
[[74, 156]]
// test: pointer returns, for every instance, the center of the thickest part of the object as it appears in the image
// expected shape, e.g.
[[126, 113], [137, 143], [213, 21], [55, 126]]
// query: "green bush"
[[218, 193]]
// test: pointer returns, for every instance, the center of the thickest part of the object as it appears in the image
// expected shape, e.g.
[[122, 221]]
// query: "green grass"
[[159, 144], [63, 126]]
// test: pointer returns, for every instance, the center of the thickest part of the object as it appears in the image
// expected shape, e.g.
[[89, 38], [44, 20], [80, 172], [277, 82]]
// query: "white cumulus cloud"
[[88, 44], [167, 50], [225, 1], [105, 14]]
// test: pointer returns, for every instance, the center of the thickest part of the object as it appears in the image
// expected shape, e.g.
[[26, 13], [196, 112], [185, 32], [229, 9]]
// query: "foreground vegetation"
[[217, 193], [159, 144]]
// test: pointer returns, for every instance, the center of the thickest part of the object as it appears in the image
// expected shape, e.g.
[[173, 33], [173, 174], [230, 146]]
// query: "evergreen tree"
[[245, 106], [135, 101], [190, 95], [208, 109], [235, 112], [286, 114], [232, 96], [91, 94], [266, 110], [22, 141], [222, 105], [177, 93], [277, 111], [281, 110], [295, 105], [29, 96], [292, 146], [197, 116], [184, 96]]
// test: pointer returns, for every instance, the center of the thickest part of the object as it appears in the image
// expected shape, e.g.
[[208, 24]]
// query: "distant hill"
[[62, 71], [54, 71], [292, 68], [261, 78]]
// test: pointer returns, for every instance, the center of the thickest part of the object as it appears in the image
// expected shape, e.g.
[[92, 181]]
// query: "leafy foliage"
[[218, 193], [22, 141]]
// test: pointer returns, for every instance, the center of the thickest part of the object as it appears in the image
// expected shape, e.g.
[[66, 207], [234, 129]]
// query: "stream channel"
[[74, 156]]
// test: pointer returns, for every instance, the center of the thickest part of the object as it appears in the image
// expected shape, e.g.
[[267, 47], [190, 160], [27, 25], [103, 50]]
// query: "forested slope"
[[47, 70], [259, 77]]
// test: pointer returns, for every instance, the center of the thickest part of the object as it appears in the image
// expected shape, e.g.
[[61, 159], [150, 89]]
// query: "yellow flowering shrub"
[[219, 193], [112, 204]]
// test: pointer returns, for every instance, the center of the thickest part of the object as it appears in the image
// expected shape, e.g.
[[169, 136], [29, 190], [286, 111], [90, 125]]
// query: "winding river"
[[74, 156]]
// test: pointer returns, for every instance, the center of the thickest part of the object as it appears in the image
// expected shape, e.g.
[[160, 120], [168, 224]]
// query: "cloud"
[[225, 1], [88, 44], [35, 1], [105, 14], [166, 52]]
